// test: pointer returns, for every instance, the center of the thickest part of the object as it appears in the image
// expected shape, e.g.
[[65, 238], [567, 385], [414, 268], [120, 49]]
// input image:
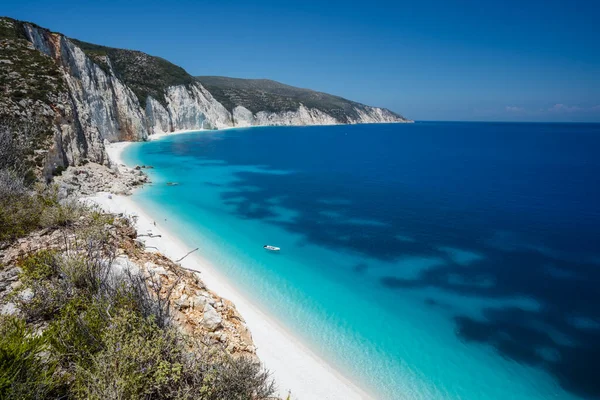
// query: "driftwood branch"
[[187, 254], [150, 235]]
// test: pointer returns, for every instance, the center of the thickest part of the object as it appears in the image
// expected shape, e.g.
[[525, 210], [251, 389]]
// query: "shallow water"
[[425, 261]]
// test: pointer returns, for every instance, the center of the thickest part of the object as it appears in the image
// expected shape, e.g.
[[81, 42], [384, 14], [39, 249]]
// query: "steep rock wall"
[[158, 119], [193, 107]]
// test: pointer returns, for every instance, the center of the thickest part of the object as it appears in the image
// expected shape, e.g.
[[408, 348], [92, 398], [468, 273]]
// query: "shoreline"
[[294, 367]]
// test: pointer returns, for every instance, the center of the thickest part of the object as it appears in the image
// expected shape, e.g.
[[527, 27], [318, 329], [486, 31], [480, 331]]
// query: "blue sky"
[[526, 60]]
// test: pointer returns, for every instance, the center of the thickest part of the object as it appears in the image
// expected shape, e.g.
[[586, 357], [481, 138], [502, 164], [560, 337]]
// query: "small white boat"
[[271, 248]]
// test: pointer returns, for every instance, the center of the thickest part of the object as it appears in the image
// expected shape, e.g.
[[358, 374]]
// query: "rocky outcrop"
[[91, 178], [195, 309]]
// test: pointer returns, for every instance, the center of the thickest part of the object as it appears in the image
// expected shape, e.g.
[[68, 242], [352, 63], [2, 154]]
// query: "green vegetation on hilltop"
[[27, 74], [11, 29], [146, 75], [266, 95]]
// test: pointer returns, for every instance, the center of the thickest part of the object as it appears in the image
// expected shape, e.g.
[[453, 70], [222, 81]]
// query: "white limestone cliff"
[[242, 117], [193, 107], [158, 119]]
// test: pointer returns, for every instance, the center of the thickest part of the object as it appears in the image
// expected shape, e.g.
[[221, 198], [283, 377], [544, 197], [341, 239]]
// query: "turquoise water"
[[424, 261]]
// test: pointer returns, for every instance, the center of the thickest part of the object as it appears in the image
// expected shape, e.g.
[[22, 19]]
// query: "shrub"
[[76, 332], [23, 210], [19, 215], [11, 184], [57, 214], [40, 265], [148, 297], [216, 375], [24, 371], [49, 297], [138, 360]]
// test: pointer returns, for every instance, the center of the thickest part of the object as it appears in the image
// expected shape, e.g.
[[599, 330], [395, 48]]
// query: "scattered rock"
[[182, 302], [122, 266], [26, 295], [91, 178], [154, 269], [199, 301], [211, 320], [9, 309]]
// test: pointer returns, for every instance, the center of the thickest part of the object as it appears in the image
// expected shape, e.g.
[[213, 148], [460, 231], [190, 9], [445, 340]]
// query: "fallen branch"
[[187, 254], [150, 235]]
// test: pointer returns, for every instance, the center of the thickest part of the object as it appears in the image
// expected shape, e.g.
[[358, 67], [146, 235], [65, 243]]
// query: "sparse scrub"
[[24, 210], [25, 206], [40, 265], [109, 334], [145, 294]]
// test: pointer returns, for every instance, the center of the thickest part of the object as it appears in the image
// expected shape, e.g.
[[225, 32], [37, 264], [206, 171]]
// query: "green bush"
[[49, 297], [26, 370], [138, 360], [40, 265], [25, 211], [19, 215], [76, 333]]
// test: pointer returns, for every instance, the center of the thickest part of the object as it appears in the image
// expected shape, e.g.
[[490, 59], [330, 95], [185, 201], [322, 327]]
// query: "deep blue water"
[[426, 260]]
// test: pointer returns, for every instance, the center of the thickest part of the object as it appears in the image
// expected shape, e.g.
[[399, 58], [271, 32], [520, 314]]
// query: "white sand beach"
[[294, 367]]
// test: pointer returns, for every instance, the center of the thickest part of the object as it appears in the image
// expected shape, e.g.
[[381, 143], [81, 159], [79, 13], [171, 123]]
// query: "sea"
[[434, 260]]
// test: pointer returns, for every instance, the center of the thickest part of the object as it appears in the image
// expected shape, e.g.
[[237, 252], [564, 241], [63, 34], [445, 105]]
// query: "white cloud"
[[514, 109], [564, 108]]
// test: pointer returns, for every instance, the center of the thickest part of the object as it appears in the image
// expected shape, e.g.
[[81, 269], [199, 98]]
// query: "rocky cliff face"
[[101, 94]]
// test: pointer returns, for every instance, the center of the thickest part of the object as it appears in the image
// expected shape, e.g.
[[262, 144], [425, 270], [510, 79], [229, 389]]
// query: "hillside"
[[146, 75], [62, 98], [266, 95]]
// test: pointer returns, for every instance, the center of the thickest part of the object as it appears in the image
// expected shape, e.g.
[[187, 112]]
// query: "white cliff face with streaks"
[[302, 116], [193, 107], [102, 101], [374, 115], [158, 119], [242, 117]]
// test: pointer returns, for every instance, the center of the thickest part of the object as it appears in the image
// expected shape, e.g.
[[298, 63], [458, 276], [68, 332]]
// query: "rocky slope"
[[79, 95], [195, 309], [266, 102]]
